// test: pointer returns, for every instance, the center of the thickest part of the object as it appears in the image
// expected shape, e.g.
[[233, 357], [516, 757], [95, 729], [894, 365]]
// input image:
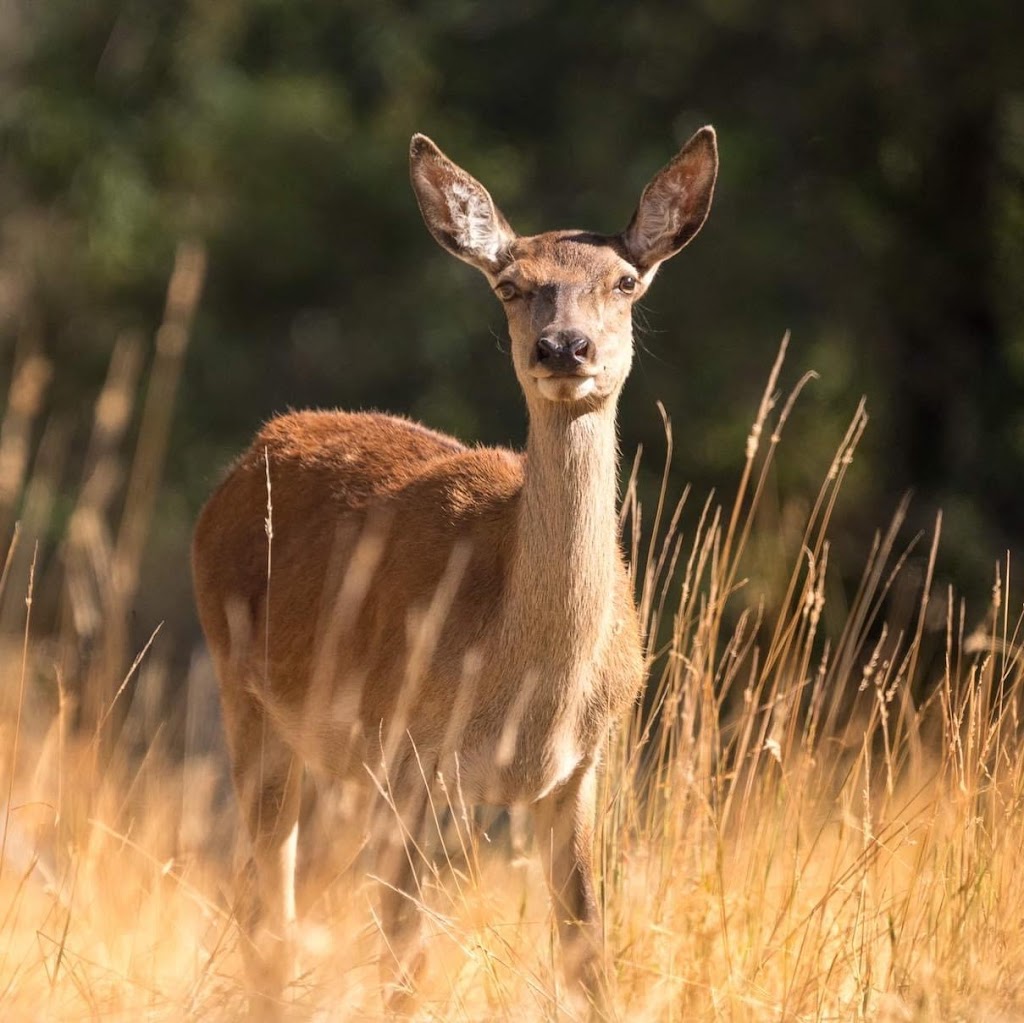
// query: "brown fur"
[[433, 609]]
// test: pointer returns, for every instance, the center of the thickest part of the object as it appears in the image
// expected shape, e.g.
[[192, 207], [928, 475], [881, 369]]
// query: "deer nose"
[[563, 350]]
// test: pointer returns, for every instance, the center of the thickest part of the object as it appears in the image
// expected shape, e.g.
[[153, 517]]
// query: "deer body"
[[431, 498], [429, 609]]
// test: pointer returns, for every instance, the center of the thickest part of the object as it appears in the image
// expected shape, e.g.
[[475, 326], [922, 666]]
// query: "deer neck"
[[563, 577]]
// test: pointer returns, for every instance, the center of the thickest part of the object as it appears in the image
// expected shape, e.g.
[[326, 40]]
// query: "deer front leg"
[[268, 782], [400, 844], [564, 832]]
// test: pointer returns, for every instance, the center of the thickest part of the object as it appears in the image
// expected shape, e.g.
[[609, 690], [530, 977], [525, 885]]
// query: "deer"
[[386, 605]]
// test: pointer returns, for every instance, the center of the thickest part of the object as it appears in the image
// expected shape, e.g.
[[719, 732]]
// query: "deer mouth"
[[567, 386]]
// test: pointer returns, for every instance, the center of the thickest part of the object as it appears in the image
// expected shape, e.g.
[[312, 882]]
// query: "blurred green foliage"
[[870, 199]]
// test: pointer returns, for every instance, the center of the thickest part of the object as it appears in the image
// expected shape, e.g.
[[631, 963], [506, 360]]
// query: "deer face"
[[568, 295]]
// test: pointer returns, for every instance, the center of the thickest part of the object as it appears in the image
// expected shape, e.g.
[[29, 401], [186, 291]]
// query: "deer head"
[[568, 295]]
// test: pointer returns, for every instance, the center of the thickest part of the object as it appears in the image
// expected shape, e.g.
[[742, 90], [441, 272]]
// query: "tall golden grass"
[[810, 817]]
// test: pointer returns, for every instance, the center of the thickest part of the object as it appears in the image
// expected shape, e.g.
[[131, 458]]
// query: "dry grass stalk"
[[810, 819], [88, 546], [172, 338], [24, 401]]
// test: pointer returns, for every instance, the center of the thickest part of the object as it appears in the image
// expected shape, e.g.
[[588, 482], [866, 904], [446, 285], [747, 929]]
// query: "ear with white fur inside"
[[675, 204], [458, 211]]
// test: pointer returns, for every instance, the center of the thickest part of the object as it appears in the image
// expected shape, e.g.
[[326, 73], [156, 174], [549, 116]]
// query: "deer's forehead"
[[567, 258]]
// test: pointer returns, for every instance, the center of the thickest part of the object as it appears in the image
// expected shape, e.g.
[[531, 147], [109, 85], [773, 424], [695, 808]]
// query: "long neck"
[[562, 582]]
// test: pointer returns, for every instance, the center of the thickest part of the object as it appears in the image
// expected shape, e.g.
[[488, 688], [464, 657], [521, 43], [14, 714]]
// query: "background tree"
[[871, 200]]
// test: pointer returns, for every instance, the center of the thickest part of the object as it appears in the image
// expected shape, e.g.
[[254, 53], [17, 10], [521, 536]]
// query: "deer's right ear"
[[457, 209], [675, 203]]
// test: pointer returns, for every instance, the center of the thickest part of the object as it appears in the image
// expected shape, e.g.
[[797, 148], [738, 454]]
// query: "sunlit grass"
[[801, 822]]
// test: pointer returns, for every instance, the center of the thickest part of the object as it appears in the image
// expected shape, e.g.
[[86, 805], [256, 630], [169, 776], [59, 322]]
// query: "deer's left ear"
[[675, 204], [457, 209]]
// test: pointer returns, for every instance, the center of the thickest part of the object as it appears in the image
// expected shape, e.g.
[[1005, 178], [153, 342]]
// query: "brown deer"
[[384, 603]]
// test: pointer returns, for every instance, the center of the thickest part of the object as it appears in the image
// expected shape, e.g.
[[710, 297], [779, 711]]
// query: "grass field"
[[816, 814]]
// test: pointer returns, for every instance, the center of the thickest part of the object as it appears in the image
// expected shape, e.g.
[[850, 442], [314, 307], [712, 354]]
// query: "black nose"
[[563, 350]]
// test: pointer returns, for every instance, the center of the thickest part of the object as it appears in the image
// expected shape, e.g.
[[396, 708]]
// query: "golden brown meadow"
[[809, 817]]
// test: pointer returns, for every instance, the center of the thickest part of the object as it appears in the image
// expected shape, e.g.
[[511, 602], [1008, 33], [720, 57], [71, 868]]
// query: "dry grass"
[[806, 821]]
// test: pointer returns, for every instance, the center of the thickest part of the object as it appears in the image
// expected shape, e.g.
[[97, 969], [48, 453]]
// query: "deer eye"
[[507, 291], [627, 285]]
